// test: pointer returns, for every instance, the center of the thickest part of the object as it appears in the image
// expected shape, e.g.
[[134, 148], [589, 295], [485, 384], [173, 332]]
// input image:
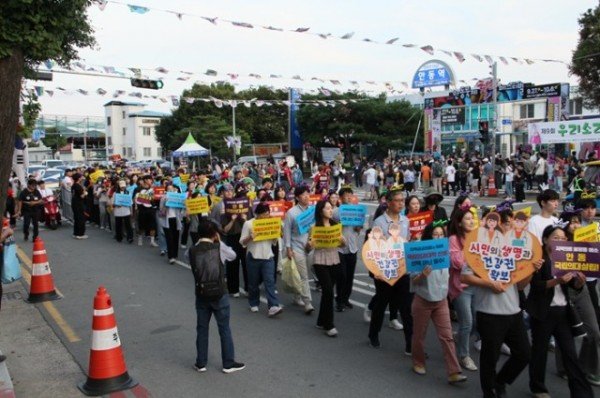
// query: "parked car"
[[54, 173], [36, 171], [53, 162]]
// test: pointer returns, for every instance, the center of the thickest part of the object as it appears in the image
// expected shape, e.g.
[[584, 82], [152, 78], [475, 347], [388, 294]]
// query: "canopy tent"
[[190, 148]]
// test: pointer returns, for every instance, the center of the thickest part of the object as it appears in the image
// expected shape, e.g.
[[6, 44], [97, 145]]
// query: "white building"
[[130, 130]]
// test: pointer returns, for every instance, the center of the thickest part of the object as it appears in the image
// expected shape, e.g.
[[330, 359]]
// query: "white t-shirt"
[[371, 176], [537, 225], [450, 173], [509, 174]]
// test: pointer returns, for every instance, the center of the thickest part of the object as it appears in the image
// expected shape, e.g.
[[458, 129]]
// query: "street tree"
[[586, 57], [33, 31]]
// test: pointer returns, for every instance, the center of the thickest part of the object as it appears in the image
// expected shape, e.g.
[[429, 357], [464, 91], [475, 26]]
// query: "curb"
[[6, 385]]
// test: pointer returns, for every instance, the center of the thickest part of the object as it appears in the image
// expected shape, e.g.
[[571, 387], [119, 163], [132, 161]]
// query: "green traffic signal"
[[145, 83]]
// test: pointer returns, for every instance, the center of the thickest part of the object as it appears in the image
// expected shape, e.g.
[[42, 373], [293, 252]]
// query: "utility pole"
[[492, 132], [233, 106]]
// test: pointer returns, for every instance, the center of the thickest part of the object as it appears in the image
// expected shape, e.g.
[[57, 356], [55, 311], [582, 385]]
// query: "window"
[[124, 130], [123, 113], [527, 111], [124, 151], [147, 131], [576, 106], [109, 141], [159, 152], [147, 152], [129, 152], [108, 120]]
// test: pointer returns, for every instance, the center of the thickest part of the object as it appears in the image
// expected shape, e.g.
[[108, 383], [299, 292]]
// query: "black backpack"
[[205, 261]]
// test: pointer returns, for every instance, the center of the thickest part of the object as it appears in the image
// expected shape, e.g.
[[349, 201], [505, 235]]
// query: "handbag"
[[11, 269], [291, 277]]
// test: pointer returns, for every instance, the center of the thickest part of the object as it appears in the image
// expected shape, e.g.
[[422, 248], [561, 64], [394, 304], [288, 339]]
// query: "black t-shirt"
[[76, 192], [28, 196]]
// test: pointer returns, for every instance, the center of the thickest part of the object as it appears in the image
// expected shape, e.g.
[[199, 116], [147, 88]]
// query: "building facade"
[[130, 131]]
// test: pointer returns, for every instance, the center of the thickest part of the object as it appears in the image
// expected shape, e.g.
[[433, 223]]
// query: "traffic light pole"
[[492, 133], [234, 144]]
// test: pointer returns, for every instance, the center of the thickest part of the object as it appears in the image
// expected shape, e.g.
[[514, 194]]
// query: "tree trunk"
[[11, 74]]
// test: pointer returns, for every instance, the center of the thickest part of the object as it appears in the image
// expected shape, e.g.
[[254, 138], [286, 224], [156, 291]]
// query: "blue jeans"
[[261, 270], [160, 234], [508, 188], [465, 311], [204, 310]]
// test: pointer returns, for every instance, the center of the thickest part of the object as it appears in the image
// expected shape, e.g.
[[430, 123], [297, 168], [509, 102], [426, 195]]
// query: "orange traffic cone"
[[107, 371], [42, 284]]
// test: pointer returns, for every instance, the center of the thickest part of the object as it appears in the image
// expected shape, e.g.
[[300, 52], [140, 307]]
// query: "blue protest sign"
[[178, 183], [123, 199], [420, 254], [353, 215], [305, 220], [176, 200]]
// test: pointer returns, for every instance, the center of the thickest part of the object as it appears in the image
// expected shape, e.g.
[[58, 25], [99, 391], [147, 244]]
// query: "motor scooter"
[[52, 217]]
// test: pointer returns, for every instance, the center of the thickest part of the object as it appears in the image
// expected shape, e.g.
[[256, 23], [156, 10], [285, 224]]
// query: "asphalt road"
[[285, 357]]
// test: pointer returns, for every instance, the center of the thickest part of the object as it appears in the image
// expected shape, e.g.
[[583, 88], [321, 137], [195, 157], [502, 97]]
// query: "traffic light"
[[484, 131], [145, 83]]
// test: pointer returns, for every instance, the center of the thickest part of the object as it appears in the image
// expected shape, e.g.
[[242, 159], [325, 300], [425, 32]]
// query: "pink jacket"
[[457, 262]]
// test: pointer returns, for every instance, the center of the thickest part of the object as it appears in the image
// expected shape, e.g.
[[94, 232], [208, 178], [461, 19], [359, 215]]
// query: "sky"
[[533, 29]]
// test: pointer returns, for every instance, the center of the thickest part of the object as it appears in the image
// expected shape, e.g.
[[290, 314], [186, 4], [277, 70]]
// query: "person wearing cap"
[[29, 205], [260, 264], [432, 203], [78, 197]]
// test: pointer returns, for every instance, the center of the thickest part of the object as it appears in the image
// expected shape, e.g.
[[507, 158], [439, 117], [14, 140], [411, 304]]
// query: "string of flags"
[[460, 56], [367, 86], [181, 75], [176, 100]]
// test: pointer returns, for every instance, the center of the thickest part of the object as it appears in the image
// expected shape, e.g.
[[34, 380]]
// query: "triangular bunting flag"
[[137, 9]]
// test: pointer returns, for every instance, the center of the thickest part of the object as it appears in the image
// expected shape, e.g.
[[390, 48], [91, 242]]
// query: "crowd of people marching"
[[495, 317]]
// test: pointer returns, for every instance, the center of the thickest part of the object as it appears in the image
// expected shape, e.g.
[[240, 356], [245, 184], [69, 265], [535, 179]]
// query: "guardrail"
[[65, 203]]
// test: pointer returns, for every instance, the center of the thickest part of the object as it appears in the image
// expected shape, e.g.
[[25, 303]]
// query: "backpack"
[[437, 170], [205, 261]]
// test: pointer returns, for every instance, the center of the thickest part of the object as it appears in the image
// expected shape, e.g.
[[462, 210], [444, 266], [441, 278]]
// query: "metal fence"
[[65, 203]]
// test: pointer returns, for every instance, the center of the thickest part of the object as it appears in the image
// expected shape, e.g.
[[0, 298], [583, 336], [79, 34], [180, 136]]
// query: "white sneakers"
[[396, 325], [299, 302], [171, 261], [140, 240], [254, 309], [467, 363], [331, 332], [275, 310], [80, 237], [309, 309]]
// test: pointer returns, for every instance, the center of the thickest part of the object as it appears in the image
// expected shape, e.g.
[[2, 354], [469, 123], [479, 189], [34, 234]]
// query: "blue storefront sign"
[[433, 73]]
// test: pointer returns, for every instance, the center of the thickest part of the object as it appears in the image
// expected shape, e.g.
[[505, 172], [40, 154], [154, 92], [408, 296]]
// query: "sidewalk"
[[38, 362]]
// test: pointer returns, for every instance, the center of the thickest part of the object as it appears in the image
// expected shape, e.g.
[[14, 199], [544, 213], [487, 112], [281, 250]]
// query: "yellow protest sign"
[[327, 237], [526, 210], [96, 174], [197, 205], [215, 200], [184, 178], [266, 228], [475, 216], [586, 234]]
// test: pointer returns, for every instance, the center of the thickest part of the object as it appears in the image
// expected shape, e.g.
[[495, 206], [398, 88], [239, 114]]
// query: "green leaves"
[[44, 29], [586, 57]]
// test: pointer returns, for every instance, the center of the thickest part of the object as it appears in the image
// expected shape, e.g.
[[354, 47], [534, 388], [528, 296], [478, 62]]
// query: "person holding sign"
[[582, 303], [345, 279], [296, 245], [326, 264], [170, 222], [122, 213], [232, 221], [431, 289], [499, 320], [548, 305], [259, 261]]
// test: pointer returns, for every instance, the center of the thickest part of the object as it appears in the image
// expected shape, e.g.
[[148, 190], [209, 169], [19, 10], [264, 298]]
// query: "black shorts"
[[146, 219]]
